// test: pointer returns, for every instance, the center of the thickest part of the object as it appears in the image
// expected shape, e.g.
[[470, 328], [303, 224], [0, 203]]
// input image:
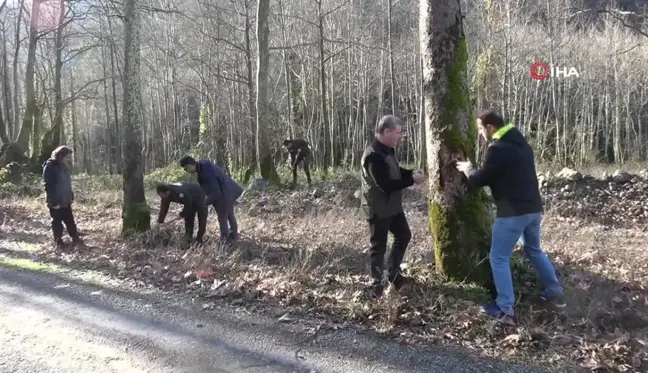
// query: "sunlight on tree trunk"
[[30, 89], [264, 153], [136, 215]]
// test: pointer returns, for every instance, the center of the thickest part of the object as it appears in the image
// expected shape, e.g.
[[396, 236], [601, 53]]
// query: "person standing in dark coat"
[[509, 170], [382, 183], [57, 177], [192, 197], [221, 191]]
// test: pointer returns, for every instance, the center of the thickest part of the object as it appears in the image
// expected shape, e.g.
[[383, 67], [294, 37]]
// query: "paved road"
[[52, 324]]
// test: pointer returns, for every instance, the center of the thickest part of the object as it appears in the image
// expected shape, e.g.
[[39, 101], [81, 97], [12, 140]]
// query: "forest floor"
[[305, 253]]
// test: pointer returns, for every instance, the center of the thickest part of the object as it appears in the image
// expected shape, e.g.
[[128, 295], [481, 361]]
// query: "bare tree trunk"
[[421, 114], [16, 92], [73, 117], [253, 116], [459, 221], [118, 130], [136, 215], [6, 120], [392, 82], [30, 89], [264, 153], [52, 137], [327, 157]]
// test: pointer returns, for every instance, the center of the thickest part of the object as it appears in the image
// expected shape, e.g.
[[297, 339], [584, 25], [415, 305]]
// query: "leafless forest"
[[333, 68]]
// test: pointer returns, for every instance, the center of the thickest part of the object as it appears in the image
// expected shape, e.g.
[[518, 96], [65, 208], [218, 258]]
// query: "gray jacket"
[[58, 183]]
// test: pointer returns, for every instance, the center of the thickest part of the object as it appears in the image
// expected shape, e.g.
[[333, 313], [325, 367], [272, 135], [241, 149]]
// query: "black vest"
[[374, 201]]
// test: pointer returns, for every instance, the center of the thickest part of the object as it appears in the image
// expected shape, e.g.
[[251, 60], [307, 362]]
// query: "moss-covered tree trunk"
[[459, 220], [136, 215], [264, 153]]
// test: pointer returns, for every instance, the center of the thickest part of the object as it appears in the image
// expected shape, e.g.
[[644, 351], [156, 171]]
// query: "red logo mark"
[[539, 70]]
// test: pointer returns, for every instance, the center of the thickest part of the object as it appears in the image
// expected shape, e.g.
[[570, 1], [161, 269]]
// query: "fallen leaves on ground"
[[304, 252]]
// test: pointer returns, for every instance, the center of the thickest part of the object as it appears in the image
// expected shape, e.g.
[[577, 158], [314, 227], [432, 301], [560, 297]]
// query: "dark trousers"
[[60, 216], [306, 164], [379, 229], [226, 220], [190, 218]]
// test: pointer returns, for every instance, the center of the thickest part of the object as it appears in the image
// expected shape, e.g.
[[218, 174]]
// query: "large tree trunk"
[[459, 220], [30, 89], [136, 214], [327, 156], [53, 137], [264, 153]]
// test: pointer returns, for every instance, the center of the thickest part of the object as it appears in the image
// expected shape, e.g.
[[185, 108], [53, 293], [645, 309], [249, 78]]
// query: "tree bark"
[[264, 153], [459, 220], [30, 89], [136, 215], [53, 137]]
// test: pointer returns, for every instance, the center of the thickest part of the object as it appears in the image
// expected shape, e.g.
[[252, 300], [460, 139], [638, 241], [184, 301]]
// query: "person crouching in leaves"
[[191, 196], [57, 177]]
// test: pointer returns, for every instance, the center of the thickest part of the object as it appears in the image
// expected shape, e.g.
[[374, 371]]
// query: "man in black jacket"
[[192, 197], [382, 183], [58, 189], [509, 170]]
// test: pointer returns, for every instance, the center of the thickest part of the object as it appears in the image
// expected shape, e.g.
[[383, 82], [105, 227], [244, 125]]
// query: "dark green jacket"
[[382, 182]]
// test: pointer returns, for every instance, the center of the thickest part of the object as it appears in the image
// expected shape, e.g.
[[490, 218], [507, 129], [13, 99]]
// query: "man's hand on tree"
[[465, 167], [418, 177]]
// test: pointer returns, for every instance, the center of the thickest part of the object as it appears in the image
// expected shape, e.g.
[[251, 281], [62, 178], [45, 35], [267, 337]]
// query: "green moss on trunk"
[[460, 221], [462, 239], [136, 218], [457, 104]]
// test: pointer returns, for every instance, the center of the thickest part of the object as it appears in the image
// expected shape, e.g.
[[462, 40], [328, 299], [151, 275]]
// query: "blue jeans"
[[506, 233]]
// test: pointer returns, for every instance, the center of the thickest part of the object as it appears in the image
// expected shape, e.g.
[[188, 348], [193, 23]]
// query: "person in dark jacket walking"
[[221, 191], [57, 177], [382, 183], [509, 170], [192, 197]]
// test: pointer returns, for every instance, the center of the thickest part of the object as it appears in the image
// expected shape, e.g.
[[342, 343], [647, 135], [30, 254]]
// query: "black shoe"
[[375, 291], [185, 242], [59, 243], [398, 281], [233, 236]]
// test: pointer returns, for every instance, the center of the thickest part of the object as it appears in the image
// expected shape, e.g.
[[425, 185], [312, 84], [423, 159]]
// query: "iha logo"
[[543, 70]]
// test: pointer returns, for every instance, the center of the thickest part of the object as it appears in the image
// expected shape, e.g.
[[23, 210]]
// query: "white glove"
[[465, 167]]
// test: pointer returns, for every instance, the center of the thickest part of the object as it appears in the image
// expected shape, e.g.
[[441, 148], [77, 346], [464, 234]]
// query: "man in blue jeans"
[[509, 170]]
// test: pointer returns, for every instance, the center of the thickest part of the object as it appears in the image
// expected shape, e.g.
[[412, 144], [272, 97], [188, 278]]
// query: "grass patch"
[[27, 264]]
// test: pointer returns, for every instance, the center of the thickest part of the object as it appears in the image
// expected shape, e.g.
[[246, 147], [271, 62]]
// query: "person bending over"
[[192, 197], [221, 191], [300, 152]]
